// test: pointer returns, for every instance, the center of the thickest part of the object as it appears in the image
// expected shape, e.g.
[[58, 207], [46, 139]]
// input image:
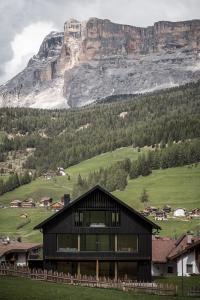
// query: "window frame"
[[125, 251], [68, 234]]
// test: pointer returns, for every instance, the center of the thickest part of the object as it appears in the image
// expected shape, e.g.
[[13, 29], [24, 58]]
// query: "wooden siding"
[[130, 223]]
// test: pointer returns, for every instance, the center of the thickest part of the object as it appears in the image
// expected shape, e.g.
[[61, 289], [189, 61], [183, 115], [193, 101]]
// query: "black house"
[[97, 234]]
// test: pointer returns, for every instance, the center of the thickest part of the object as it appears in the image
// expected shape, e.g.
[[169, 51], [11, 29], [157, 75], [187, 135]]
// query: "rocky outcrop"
[[95, 59]]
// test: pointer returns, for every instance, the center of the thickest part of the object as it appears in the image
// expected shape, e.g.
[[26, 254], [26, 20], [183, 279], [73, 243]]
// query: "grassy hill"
[[57, 186], [175, 186]]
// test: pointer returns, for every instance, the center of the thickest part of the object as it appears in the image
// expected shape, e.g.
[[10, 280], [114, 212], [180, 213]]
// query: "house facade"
[[17, 253], [186, 255], [176, 257], [97, 234]]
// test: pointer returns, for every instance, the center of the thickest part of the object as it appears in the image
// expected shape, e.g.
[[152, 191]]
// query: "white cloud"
[[25, 45]]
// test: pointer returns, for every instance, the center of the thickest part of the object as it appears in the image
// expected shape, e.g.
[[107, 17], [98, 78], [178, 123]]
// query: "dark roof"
[[97, 187]]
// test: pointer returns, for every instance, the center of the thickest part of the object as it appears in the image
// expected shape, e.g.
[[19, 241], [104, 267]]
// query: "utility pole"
[[182, 271]]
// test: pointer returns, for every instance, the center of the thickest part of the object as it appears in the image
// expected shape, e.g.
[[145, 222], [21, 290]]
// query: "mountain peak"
[[96, 58]]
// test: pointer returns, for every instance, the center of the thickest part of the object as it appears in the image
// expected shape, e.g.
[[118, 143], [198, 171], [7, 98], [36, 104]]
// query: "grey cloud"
[[17, 14]]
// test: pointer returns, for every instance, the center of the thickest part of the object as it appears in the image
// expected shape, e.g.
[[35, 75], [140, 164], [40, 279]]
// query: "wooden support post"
[[116, 271], [115, 242], [79, 270], [97, 270], [79, 243]]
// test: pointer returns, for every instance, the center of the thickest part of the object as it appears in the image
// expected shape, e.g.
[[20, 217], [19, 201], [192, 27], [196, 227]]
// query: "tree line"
[[116, 176], [161, 117], [14, 181]]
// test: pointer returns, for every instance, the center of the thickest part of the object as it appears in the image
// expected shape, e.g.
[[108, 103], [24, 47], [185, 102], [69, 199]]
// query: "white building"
[[186, 254], [181, 257], [179, 212]]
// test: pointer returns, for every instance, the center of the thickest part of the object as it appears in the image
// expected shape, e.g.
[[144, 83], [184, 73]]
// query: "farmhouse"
[[97, 234], [15, 203], [57, 205], [16, 253], [28, 203], [46, 201]]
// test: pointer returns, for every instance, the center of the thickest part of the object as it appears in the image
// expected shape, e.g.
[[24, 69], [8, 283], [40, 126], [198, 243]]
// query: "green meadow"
[[178, 187]]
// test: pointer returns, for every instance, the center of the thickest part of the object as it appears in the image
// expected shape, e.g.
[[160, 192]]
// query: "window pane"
[[86, 218], [67, 242], [127, 242], [189, 268], [96, 218], [90, 242], [103, 242], [97, 242]]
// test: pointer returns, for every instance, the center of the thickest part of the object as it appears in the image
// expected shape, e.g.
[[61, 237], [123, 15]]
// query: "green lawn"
[[12, 288]]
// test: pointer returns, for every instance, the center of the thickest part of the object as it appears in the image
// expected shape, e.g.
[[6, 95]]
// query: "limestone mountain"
[[95, 59]]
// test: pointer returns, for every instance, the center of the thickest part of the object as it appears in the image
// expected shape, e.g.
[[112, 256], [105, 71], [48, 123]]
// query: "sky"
[[25, 23]]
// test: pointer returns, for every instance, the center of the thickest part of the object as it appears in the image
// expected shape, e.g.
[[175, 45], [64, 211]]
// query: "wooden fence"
[[90, 281], [194, 292]]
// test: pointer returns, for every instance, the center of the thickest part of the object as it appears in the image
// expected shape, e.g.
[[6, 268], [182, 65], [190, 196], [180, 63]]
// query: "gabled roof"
[[17, 247], [183, 246], [161, 247], [97, 187]]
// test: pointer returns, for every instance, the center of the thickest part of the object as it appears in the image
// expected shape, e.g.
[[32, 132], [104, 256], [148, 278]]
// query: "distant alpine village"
[[99, 235]]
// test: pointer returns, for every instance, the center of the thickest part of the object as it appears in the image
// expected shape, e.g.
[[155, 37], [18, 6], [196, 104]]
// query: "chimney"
[[66, 199], [189, 238]]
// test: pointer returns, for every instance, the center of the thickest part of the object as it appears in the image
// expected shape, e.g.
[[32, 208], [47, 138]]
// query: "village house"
[[195, 213], [17, 253], [28, 203], [167, 209], [161, 247], [160, 215], [179, 212], [15, 203], [186, 254], [177, 257], [98, 234], [57, 206], [45, 201]]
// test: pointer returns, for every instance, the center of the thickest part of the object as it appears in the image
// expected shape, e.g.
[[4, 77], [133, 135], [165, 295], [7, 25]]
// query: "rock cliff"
[[94, 59]]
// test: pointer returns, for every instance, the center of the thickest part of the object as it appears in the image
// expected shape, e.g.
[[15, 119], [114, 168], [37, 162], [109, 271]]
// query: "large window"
[[67, 242], [127, 243], [97, 242], [97, 218]]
